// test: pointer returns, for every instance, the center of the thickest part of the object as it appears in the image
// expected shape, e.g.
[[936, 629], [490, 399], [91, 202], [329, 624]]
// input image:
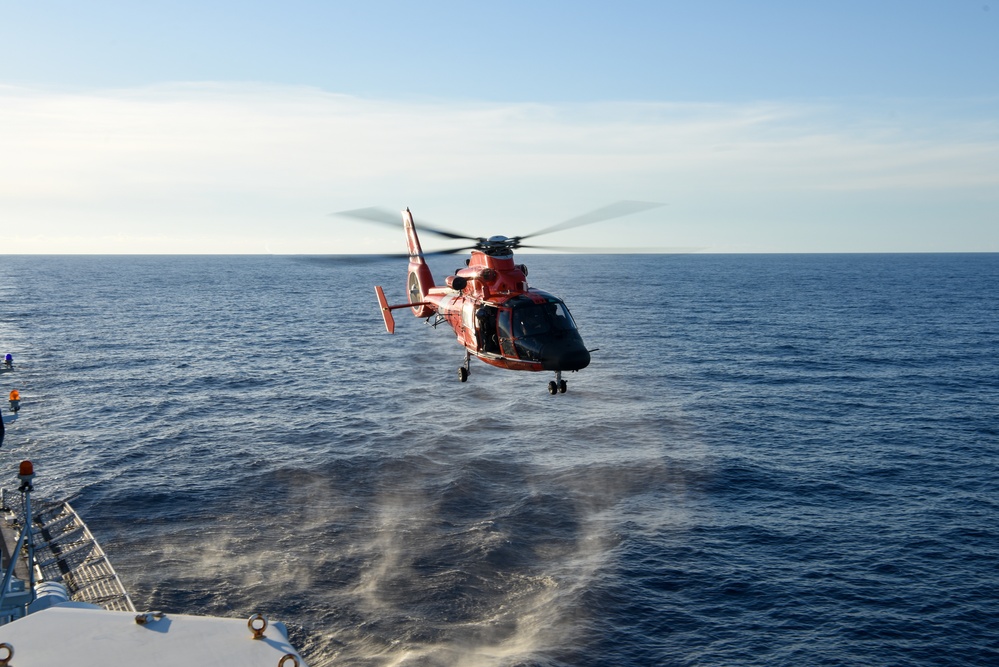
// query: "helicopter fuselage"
[[501, 320], [496, 316]]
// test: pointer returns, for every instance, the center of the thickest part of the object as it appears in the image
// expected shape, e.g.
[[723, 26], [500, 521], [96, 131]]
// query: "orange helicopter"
[[494, 314]]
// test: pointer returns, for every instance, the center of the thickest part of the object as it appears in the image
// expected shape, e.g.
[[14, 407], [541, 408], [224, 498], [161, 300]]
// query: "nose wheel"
[[558, 385]]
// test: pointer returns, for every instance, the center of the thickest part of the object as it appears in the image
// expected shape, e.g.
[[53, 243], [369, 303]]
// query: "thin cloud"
[[220, 166]]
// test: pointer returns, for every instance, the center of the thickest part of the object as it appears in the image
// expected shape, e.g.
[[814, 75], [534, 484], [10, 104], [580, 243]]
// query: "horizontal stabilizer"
[[386, 310]]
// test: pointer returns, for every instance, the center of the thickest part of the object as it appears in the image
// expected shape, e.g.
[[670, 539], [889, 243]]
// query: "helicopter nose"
[[565, 357]]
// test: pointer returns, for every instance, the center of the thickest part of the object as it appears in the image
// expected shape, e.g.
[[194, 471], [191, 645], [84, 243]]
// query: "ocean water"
[[772, 460]]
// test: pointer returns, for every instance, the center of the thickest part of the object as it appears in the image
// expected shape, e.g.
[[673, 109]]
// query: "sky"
[[242, 127]]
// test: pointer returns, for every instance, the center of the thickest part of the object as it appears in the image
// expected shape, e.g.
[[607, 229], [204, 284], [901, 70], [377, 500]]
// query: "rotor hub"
[[498, 245]]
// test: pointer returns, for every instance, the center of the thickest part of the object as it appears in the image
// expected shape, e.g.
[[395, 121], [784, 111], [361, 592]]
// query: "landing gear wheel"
[[552, 388], [462, 373], [562, 386]]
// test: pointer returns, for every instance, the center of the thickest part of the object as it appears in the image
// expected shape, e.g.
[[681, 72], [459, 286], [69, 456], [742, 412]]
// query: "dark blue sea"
[[772, 459]]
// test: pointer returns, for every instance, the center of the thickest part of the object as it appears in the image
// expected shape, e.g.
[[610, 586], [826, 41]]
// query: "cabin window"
[[504, 327], [468, 316], [485, 316]]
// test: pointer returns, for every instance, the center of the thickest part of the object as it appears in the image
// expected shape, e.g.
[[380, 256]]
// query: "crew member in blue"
[[8, 361]]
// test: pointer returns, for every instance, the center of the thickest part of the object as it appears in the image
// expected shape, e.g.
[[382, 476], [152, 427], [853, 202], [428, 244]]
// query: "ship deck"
[[65, 551]]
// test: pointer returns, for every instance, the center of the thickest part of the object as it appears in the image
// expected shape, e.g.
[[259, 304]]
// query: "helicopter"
[[495, 315]]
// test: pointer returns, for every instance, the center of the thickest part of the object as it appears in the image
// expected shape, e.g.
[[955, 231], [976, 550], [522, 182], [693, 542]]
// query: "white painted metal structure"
[[83, 636]]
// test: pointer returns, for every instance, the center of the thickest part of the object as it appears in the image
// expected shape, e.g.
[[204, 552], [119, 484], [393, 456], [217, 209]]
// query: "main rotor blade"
[[373, 214], [386, 217], [447, 251], [425, 253], [615, 210], [646, 250]]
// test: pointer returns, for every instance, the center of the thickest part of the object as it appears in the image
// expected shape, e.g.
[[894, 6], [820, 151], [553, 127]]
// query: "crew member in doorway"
[[15, 400]]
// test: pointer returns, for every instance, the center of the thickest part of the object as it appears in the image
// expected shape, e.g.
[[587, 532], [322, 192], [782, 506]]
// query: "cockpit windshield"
[[526, 328], [534, 319]]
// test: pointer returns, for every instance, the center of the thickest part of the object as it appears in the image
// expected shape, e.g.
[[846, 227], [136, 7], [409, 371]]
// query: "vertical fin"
[[420, 280], [415, 251]]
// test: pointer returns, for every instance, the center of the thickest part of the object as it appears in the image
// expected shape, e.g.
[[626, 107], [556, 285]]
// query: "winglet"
[[386, 311]]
